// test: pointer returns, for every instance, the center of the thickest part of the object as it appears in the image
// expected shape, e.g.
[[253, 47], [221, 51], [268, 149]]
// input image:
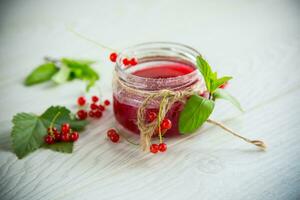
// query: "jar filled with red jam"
[[161, 65]]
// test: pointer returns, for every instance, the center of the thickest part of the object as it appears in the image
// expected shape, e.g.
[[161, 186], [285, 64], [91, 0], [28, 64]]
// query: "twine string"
[[257, 143]]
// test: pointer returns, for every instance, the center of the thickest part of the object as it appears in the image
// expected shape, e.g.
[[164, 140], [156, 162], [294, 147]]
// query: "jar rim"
[[181, 49]]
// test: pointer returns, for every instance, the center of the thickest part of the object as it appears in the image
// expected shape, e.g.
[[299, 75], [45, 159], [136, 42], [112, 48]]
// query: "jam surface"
[[126, 114]]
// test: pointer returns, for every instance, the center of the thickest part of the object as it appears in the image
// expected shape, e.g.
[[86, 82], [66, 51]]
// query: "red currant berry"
[[166, 124], [93, 106], [91, 113], [162, 147], [111, 132], [65, 128], [98, 114], [48, 139], [81, 101], [114, 138], [133, 61], [151, 116], [101, 108], [57, 136], [107, 102], [154, 148], [95, 99], [65, 137], [74, 136], [113, 57], [126, 61], [82, 114]]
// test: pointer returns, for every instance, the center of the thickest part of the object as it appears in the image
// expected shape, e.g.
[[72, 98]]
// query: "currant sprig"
[[96, 109]]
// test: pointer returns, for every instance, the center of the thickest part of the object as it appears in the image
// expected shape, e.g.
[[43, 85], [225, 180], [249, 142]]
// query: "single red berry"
[[57, 136], [65, 128], [98, 114], [65, 137], [166, 124], [81, 101], [101, 108], [74, 136], [114, 138], [224, 85], [48, 139], [154, 148], [82, 114], [111, 132], [95, 99], [91, 113], [113, 57], [107, 102], [126, 61], [93, 106], [162, 147], [133, 61], [151, 116]]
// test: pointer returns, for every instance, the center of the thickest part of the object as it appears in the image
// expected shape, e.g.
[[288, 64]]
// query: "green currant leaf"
[[223, 94], [41, 74], [196, 111], [27, 133], [63, 147], [78, 125]]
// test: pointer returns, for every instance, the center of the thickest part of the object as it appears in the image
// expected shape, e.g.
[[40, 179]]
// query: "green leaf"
[[223, 94], [27, 133], [196, 111], [62, 75], [205, 70], [64, 147], [81, 69], [78, 125], [41, 74], [218, 82], [29, 130]]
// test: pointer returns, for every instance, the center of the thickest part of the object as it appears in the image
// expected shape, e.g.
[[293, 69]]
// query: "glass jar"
[[161, 65]]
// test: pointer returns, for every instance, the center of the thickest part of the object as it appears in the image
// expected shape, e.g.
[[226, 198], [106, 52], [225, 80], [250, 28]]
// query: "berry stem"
[[90, 40], [53, 121]]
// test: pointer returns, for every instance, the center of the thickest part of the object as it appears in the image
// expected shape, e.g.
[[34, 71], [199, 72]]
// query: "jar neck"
[[158, 54]]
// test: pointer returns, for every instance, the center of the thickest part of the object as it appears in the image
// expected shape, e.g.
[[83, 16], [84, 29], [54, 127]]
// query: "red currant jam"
[[126, 112]]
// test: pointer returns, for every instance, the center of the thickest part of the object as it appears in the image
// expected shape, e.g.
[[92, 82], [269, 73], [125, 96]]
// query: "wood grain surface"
[[257, 42]]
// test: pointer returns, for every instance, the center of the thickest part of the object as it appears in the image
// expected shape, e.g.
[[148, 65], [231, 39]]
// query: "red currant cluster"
[[127, 62], [65, 135], [165, 125], [96, 109], [154, 148], [113, 135]]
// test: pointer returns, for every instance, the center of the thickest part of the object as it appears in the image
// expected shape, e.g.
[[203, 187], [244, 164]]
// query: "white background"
[[255, 41]]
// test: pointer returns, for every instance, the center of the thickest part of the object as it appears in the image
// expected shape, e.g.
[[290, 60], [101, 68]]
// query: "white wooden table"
[[257, 42]]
